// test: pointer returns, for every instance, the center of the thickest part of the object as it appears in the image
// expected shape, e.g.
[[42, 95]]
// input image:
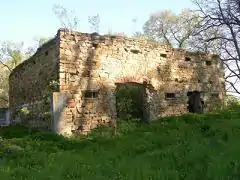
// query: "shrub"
[[232, 101]]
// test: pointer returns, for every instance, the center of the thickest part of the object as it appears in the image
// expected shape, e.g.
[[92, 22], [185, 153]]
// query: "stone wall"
[[28, 80], [89, 68], [92, 65]]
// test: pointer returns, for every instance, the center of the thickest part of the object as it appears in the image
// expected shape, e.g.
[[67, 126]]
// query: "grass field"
[[188, 147]]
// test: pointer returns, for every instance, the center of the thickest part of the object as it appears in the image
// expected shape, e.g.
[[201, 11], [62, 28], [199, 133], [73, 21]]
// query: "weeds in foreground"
[[188, 147]]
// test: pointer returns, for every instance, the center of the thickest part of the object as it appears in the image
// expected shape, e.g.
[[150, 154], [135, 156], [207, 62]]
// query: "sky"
[[24, 20]]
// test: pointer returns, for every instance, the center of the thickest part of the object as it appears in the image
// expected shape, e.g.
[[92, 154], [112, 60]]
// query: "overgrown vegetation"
[[189, 147], [129, 101]]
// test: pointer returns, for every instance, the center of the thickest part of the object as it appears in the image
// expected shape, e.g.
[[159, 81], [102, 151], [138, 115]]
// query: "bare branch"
[[233, 86], [224, 15], [5, 65]]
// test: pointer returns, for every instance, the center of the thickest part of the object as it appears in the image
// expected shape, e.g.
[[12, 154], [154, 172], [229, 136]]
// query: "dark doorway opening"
[[195, 103], [131, 101]]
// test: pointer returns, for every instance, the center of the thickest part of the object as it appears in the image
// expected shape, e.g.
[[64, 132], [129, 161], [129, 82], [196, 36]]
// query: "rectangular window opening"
[[90, 94], [187, 59], [215, 95], [208, 63], [135, 51], [163, 55], [170, 95]]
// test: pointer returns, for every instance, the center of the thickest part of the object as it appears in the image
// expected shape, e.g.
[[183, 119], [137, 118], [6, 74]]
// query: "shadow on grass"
[[17, 137], [34, 140]]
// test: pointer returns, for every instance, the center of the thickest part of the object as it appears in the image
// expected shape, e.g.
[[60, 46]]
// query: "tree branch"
[[10, 70]]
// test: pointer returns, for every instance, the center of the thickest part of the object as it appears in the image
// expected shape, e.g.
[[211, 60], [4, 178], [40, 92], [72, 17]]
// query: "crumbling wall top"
[[108, 39], [120, 39], [114, 39], [41, 49]]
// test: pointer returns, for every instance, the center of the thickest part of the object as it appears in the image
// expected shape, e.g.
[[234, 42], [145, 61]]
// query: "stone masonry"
[[29, 79], [88, 68]]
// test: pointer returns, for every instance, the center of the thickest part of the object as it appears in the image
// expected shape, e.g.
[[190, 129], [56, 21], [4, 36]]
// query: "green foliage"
[[232, 101], [47, 95], [128, 101], [25, 111], [192, 146], [11, 55]]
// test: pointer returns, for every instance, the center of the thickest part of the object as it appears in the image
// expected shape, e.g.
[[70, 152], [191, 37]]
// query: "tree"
[[224, 15], [94, 22], [11, 54], [3, 87], [174, 30], [201, 41], [32, 49], [67, 18]]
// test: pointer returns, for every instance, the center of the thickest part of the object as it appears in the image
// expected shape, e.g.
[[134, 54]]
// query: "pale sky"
[[22, 20]]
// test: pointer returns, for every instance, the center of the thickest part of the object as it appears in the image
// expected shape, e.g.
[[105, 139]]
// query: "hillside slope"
[[188, 147]]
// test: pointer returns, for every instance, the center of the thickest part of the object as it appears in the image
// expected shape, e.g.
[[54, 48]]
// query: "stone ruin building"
[[90, 67]]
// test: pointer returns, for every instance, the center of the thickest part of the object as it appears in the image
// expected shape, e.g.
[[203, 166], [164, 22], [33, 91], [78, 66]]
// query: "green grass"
[[188, 147]]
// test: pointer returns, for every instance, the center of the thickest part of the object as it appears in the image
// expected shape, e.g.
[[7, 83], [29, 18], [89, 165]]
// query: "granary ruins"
[[89, 68]]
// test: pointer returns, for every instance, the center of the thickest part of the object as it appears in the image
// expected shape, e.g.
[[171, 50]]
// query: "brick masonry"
[[91, 65]]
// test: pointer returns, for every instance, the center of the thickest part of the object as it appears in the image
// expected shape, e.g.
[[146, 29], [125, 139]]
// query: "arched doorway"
[[131, 101]]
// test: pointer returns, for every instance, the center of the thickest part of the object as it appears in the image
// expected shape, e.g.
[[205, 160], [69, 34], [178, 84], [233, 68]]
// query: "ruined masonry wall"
[[96, 63], [88, 68], [29, 79]]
